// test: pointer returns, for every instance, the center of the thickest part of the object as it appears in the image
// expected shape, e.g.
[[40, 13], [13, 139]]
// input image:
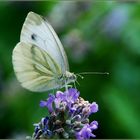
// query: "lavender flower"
[[48, 103], [68, 117]]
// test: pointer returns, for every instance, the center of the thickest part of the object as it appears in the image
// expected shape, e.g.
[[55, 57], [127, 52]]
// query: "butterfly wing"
[[38, 31], [39, 59], [35, 68]]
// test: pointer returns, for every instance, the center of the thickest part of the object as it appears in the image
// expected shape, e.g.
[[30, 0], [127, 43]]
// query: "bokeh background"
[[97, 36]]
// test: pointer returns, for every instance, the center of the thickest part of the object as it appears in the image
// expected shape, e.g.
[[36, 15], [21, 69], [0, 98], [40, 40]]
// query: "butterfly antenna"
[[86, 73], [74, 85], [77, 82], [78, 74]]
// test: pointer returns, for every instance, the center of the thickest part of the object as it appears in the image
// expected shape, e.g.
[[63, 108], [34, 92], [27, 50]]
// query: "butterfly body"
[[39, 59]]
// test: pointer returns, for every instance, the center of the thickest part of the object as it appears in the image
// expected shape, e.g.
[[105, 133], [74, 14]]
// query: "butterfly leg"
[[66, 86], [74, 85]]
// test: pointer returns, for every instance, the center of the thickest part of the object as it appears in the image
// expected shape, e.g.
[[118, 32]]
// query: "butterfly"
[[39, 60]]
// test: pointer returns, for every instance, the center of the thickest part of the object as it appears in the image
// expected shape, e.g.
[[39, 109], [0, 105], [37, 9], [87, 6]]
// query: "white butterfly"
[[39, 60]]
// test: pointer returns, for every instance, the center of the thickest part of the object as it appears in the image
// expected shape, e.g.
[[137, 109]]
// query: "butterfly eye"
[[74, 77], [33, 37]]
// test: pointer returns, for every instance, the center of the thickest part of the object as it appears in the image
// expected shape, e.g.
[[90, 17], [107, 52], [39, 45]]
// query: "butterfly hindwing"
[[35, 68]]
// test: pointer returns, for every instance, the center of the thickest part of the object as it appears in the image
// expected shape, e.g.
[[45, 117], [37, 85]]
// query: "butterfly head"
[[70, 77]]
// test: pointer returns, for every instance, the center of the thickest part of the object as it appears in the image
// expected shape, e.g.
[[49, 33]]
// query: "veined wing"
[[38, 31], [35, 68]]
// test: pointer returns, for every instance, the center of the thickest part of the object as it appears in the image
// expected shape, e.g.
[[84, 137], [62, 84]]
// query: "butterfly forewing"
[[38, 31]]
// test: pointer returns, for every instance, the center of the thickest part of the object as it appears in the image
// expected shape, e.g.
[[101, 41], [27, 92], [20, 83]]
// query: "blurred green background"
[[97, 36]]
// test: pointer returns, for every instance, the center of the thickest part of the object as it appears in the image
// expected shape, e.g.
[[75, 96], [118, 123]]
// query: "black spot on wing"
[[34, 37]]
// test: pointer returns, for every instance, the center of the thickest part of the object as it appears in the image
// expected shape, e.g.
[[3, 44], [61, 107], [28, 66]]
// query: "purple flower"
[[71, 95], [68, 118], [48, 103], [45, 120], [93, 125], [85, 133], [60, 96], [90, 108], [93, 107], [43, 103], [72, 110]]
